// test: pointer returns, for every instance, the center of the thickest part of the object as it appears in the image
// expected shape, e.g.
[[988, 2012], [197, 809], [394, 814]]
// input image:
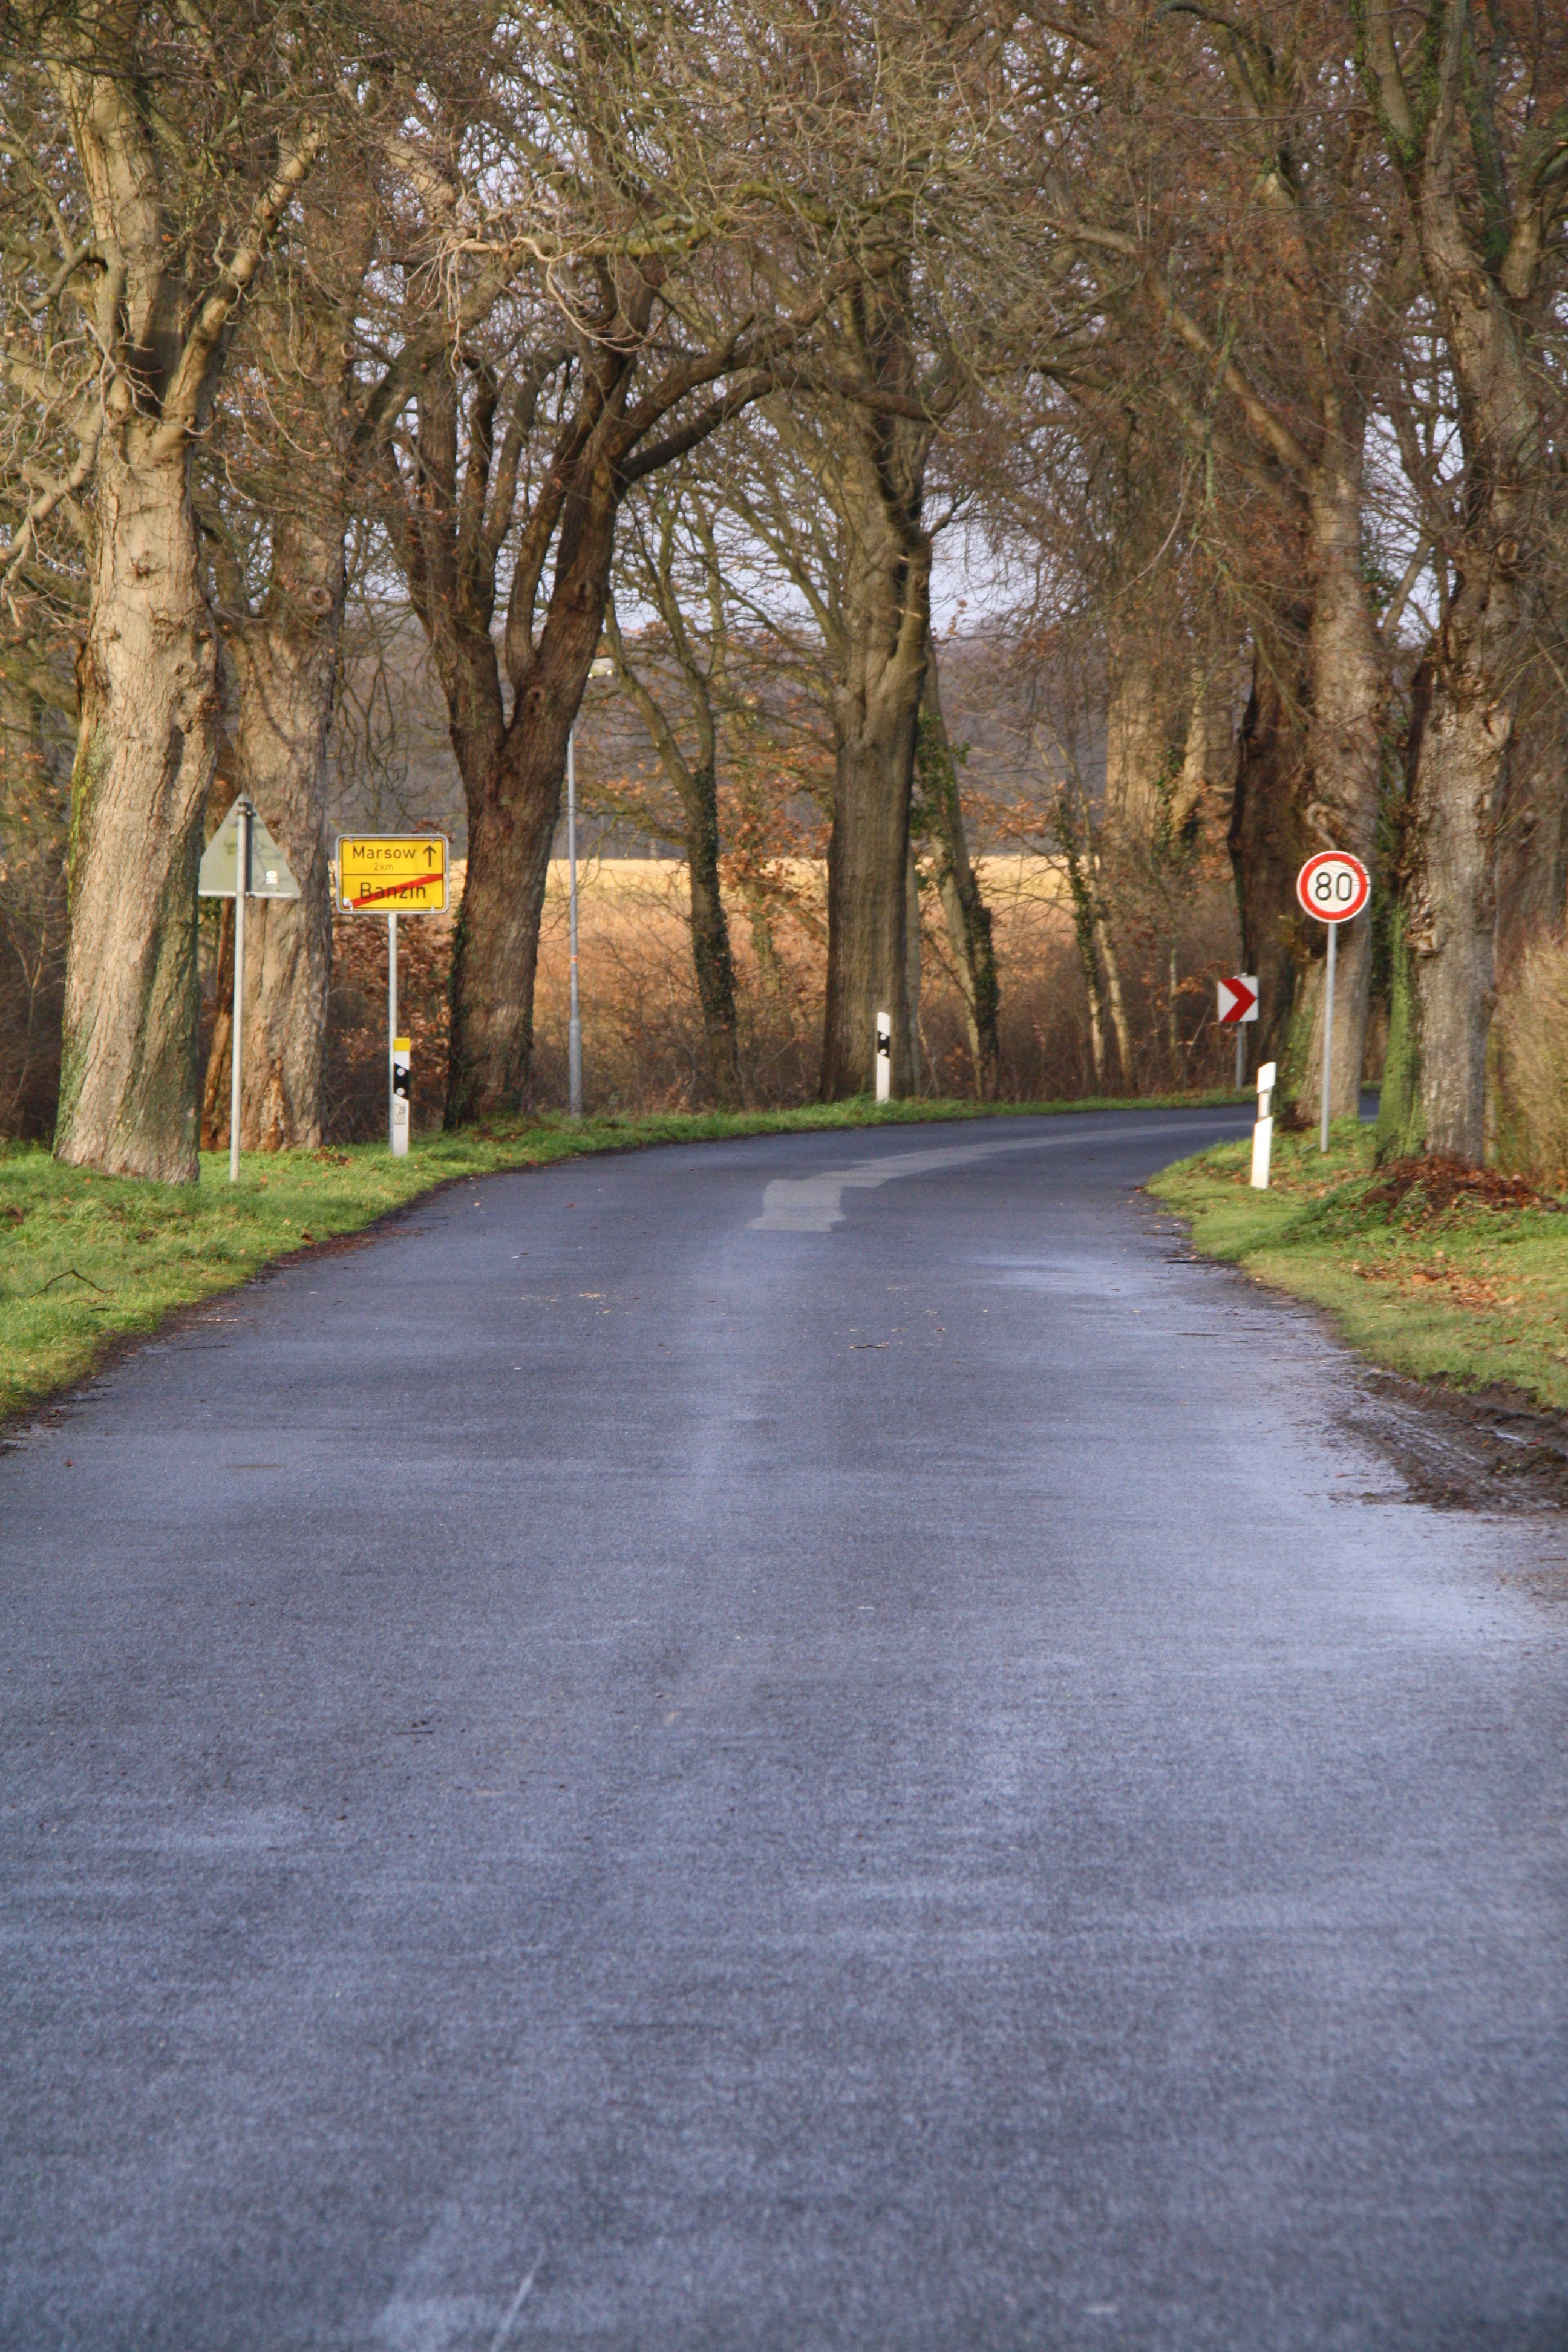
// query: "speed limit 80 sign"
[[1333, 887]]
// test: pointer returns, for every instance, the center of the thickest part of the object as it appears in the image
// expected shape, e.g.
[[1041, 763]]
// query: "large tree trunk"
[[1484, 268], [964, 911], [867, 893], [147, 734], [1459, 732], [285, 667], [1267, 838], [1533, 830], [514, 806], [875, 718], [1143, 733], [495, 941], [34, 815], [1344, 750]]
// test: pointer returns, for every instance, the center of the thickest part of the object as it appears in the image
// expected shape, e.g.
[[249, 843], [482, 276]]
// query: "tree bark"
[[1344, 748], [216, 1085], [148, 737], [1483, 267], [1533, 831], [1458, 744], [284, 667], [1142, 737], [876, 717], [513, 812], [964, 911], [514, 804]]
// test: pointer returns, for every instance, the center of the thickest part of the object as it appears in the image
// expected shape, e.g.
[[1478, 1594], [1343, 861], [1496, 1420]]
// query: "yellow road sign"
[[393, 873]]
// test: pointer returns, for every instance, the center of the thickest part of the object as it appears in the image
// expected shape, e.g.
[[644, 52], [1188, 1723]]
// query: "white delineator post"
[[401, 1094], [241, 885], [1263, 1132], [884, 1057], [574, 1021]]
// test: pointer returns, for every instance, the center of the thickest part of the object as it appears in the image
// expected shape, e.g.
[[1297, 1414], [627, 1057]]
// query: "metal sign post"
[[242, 886], [242, 861], [1328, 1035], [1333, 887], [392, 1040], [1238, 1003], [393, 874]]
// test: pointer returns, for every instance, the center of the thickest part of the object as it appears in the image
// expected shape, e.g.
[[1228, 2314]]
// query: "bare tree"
[[1472, 106], [274, 490], [1274, 308], [187, 139], [697, 656]]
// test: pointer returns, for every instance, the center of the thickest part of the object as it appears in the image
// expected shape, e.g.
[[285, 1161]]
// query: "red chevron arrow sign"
[[1237, 998]]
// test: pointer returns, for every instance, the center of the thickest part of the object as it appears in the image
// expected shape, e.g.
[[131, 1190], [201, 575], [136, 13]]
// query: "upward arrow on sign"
[[1238, 998]]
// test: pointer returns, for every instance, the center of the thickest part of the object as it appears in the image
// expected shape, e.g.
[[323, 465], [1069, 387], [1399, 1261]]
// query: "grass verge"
[[1422, 1271], [88, 1261]]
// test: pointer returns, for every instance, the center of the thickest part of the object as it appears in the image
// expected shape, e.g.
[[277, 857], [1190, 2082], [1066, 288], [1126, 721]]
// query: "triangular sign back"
[[269, 874]]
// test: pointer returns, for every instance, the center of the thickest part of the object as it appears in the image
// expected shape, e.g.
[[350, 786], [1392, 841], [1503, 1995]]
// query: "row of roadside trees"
[[1239, 332]]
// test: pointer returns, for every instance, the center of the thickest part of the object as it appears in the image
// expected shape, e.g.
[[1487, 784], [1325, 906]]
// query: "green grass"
[[1472, 1294], [86, 1261]]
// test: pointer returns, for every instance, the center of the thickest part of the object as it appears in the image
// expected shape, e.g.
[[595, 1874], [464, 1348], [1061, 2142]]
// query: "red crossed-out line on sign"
[[396, 889]]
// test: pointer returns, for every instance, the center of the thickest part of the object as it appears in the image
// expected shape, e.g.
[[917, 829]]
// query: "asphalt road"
[[815, 1743]]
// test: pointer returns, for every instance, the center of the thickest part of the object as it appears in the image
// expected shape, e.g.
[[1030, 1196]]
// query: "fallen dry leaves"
[[1464, 1289]]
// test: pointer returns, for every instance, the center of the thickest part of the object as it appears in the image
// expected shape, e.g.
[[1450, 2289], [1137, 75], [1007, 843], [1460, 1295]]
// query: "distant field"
[[1000, 878]]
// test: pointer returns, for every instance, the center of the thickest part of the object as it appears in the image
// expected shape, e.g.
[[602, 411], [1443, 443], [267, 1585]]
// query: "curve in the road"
[[821, 1742]]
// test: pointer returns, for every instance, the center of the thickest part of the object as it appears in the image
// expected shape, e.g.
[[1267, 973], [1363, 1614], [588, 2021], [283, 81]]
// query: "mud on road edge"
[[1492, 1449]]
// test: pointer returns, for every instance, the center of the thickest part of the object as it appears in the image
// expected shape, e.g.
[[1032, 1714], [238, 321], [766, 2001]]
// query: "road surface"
[[805, 1746]]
